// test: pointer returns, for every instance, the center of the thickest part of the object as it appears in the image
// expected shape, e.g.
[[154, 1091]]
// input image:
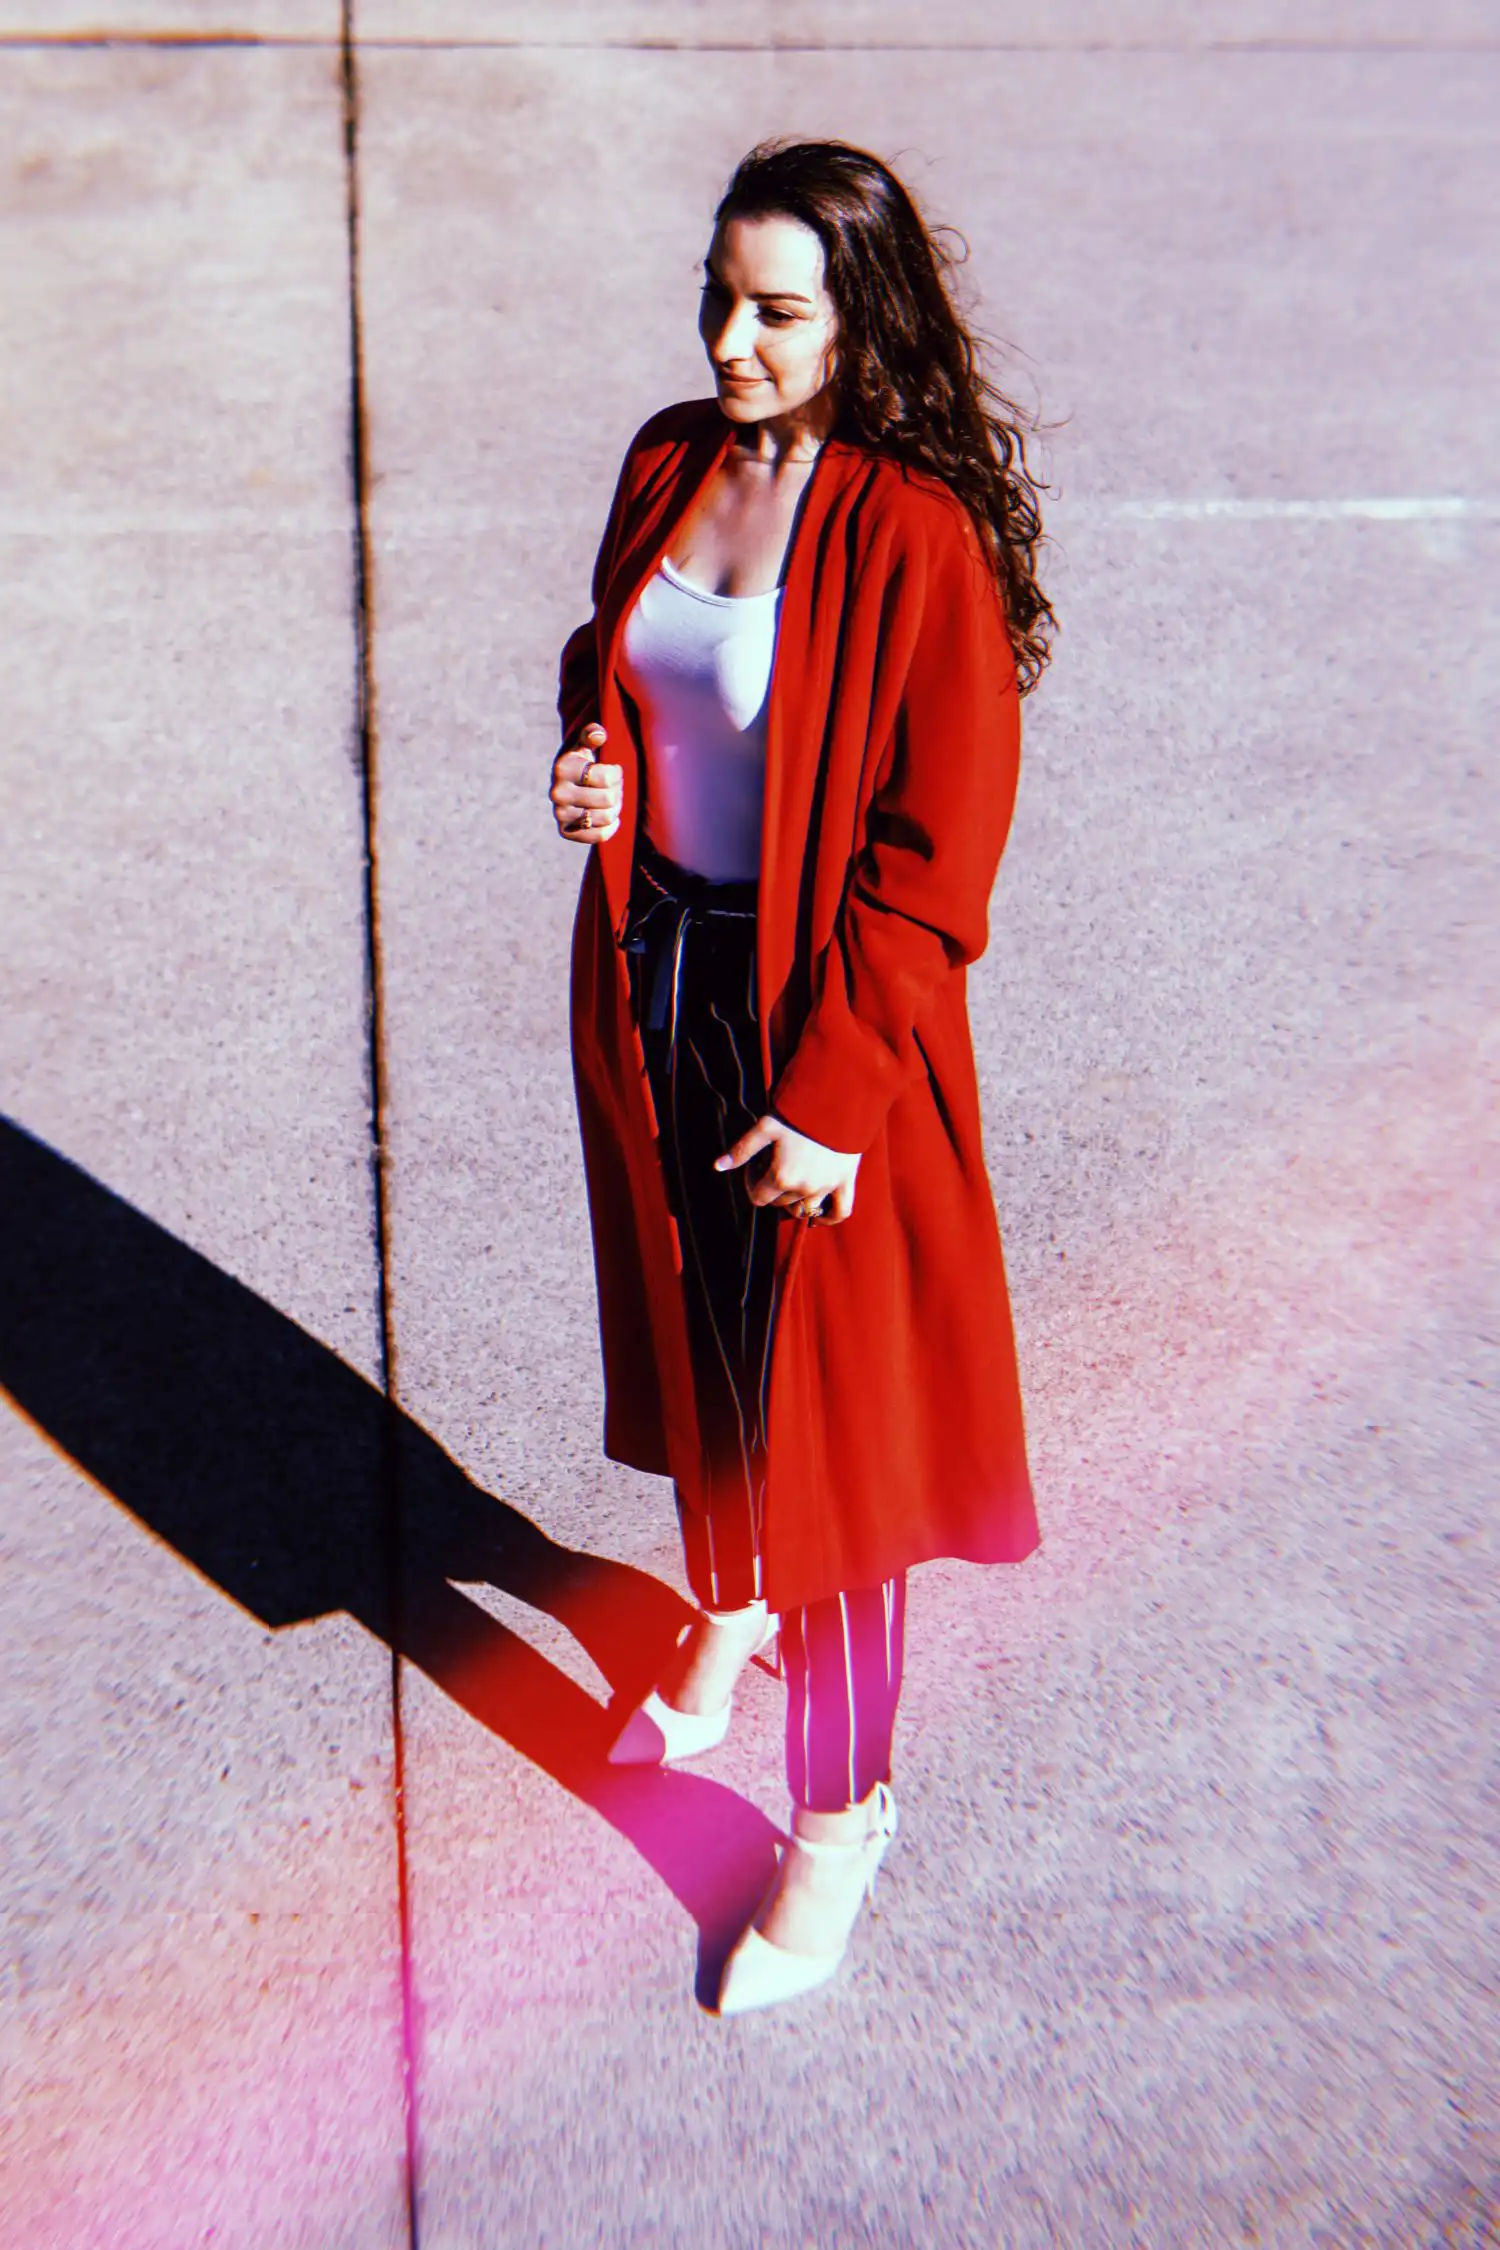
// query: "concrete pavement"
[[1182, 1942], [203, 1959]]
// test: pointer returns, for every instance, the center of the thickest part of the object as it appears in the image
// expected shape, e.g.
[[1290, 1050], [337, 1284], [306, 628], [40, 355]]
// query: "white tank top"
[[698, 668]]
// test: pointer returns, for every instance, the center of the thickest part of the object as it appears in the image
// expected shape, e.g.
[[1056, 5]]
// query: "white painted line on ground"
[[1444, 509], [71, 521], [264, 520]]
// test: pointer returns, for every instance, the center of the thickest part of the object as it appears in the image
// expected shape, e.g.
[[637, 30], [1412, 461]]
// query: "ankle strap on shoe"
[[882, 1825], [829, 1850]]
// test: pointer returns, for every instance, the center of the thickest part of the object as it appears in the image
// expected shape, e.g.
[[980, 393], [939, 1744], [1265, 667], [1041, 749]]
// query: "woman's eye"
[[777, 319]]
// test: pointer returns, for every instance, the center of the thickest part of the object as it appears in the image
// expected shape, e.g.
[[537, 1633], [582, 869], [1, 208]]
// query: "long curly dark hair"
[[910, 380]]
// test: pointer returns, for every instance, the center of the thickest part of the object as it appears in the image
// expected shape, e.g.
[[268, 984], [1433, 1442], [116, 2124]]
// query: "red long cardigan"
[[892, 752]]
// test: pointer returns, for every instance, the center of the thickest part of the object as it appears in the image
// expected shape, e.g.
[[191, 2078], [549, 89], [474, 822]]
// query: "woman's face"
[[768, 323]]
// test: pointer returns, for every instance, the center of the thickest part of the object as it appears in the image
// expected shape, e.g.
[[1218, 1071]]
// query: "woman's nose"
[[735, 339]]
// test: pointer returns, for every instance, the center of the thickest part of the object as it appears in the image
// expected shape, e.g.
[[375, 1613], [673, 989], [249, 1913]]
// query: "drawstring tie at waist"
[[665, 900]]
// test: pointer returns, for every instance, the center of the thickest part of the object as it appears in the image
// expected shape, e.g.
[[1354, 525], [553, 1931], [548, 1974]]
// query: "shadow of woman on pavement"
[[295, 1486]]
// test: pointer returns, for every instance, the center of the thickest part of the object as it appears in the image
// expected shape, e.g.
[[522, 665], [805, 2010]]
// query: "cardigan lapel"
[[803, 679], [647, 541], [803, 686]]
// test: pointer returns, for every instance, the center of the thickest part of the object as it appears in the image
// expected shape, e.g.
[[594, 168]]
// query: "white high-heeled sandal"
[[658, 1734], [758, 1974]]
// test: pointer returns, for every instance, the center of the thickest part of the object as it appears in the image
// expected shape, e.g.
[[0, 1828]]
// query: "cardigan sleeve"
[[917, 904]]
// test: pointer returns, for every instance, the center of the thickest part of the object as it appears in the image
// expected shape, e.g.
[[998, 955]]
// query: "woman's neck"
[[788, 441]]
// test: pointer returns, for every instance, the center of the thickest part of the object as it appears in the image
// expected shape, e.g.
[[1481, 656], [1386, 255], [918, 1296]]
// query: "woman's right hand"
[[586, 797]]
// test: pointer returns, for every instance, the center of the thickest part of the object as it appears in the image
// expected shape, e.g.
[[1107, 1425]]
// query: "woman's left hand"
[[803, 1177]]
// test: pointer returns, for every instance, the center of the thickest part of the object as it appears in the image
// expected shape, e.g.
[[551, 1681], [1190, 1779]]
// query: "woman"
[[814, 607]]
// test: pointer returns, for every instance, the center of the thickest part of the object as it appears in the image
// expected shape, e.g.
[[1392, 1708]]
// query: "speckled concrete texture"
[[202, 2024], [1184, 1940], [984, 25], [164, 21], [1178, 1945]]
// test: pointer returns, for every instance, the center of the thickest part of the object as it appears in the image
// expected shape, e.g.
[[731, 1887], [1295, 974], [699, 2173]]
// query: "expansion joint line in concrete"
[[368, 741]]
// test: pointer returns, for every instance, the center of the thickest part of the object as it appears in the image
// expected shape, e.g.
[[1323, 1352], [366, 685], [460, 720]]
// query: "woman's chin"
[[743, 406]]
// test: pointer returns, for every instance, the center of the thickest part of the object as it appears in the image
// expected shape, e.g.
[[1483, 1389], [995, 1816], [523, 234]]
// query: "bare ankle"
[[849, 1825]]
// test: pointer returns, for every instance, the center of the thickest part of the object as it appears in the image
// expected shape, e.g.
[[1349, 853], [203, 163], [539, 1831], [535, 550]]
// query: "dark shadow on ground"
[[292, 1484]]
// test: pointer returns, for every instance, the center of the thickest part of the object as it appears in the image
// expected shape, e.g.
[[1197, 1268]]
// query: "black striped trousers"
[[691, 950]]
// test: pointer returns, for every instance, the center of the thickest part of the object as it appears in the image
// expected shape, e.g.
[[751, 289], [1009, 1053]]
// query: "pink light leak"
[[1158, 1359], [227, 2047]]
